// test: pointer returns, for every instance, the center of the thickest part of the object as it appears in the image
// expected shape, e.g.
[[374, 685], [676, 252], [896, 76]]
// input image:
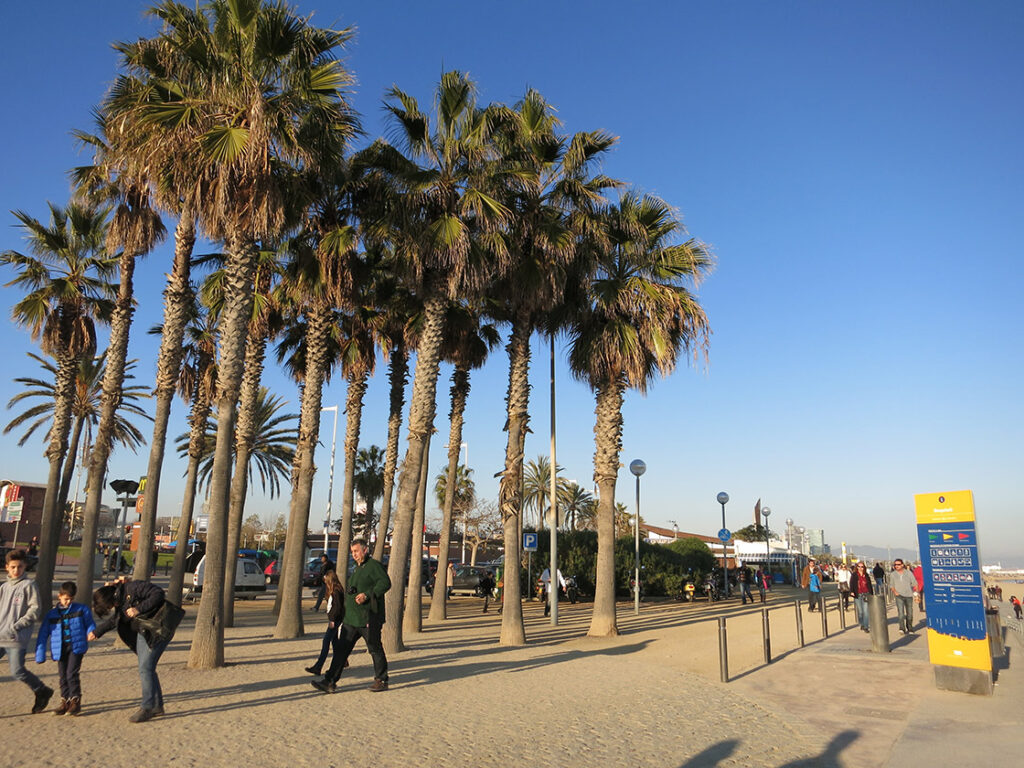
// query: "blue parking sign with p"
[[529, 542]]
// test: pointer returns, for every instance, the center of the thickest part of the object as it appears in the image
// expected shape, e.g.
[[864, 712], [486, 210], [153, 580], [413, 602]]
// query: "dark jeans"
[[905, 611], [329, 633], [813, 600], [68, 666], [745, 592], [320, 594], [16, 658], [344, 644]]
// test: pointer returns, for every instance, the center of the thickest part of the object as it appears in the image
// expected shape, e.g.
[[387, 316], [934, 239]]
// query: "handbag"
[[160, 627]]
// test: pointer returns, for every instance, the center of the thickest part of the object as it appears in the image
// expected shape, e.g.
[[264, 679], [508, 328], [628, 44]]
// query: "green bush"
[[664, 568]]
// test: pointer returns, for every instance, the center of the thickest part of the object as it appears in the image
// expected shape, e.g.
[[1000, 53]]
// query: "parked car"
[[249, 579], [467, 579]]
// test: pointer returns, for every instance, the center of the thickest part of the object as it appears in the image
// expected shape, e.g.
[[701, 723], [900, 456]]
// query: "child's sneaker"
[[64, 704], [75, 706]]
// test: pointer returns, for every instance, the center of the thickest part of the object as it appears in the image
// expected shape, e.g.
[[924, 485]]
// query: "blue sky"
[[855, 167]]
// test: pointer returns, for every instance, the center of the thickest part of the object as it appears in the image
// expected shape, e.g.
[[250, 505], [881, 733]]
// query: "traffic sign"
[[530, 542], [724, 535], [15, 507]]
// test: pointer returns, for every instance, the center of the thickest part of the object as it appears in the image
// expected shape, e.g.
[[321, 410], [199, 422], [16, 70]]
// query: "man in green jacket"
[[364, 617]]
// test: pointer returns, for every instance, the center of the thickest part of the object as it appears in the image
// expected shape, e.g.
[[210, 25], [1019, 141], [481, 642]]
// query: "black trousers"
[[68, 667], [345, 641]]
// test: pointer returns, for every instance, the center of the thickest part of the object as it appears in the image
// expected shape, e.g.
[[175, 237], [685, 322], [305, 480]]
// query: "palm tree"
[[272, 450], [469, 342], [67, 292], [369, 485], [550, 188], [85, 410], [135, 228], [636, 317], [537, 489], [196, 385], [444, 229], [256, 89], [577, 503], [263, 323]]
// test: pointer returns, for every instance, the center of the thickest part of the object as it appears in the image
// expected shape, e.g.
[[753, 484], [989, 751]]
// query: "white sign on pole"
[[14, 511]]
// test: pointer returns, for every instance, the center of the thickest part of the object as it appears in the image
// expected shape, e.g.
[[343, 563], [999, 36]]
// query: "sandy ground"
[[650, 696]]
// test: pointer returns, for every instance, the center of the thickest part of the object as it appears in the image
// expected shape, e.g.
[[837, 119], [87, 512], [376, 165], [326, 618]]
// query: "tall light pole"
[[464, 510], [330, 479], [553, 572], [637, 467], [723, 499], [765, 513], [789, 549]]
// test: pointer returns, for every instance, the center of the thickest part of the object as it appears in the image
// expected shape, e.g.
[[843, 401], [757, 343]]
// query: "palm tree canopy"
[[639, 312], [273, 447], [465, 488], [369, 474], [86, 403], [67, 279]]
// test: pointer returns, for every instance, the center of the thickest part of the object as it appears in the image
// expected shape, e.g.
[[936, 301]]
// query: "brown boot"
[[64, 704], [379, 685], [75, 706]]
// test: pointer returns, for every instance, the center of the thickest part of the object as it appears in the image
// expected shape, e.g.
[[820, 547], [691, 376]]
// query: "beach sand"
[[650, 696]]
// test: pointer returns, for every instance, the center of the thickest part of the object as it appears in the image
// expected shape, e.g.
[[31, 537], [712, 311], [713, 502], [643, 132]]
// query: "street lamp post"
[[330, 478], [765, 513], [637, 467], [126, 487], [723, 499]]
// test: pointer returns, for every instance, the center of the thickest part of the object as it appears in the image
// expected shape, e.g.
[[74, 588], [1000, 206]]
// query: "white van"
[[249, 579]]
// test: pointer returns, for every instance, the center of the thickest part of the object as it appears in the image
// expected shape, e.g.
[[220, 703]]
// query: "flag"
[[947, 536]]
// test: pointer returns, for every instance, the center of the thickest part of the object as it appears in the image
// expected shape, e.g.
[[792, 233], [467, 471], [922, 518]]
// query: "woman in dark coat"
[[335, 613], [116, 605]]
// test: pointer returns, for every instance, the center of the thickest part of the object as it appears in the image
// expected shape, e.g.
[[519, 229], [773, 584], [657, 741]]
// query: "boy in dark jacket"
[[67, 628]]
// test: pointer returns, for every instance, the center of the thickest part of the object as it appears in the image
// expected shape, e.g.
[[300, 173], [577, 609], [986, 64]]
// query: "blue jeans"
[[152, 694], [16, 658], [861, 603], [905, 612]]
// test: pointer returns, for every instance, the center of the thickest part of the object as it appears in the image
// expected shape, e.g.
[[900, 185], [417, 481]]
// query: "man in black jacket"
[[321, 592]]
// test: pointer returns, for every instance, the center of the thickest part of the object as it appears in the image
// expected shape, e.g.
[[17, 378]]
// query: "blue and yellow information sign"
[[953, 587]]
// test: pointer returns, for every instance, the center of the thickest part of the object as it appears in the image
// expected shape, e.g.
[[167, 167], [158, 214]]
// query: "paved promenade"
[[648, 697]]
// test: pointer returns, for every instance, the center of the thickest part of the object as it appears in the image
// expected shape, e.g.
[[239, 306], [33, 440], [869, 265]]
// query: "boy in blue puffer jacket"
[[67, 627]]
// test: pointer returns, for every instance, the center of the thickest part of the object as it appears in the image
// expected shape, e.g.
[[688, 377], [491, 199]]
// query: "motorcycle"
[[572, 590], [711, 591]]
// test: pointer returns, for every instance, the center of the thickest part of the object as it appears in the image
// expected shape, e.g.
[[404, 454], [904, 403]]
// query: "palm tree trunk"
[[289, 619], [607, 439], [207, 651], [398, 375], [412, 619], [68, 470], [353, 424], [510, 490], [113, 379], [197, 418], [245, 432], [459, 395], [177, 300], [421, 412]]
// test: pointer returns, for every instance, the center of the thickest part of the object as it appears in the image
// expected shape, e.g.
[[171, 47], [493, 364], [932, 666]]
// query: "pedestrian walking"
[[744, 580], [545, 580], [843, 582], [19, 610], [335, 612], [487, 587], [918, 572], [364, 617], [1016, 606], [810, 575], [860, 588], [879, 573], [904, 587], [326, 564], [65, 630]]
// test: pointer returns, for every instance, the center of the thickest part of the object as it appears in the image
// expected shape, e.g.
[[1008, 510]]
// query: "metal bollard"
[[766, 635], [723, 650], [842, 613], [823, 607], [879, 623], [799, 623]]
